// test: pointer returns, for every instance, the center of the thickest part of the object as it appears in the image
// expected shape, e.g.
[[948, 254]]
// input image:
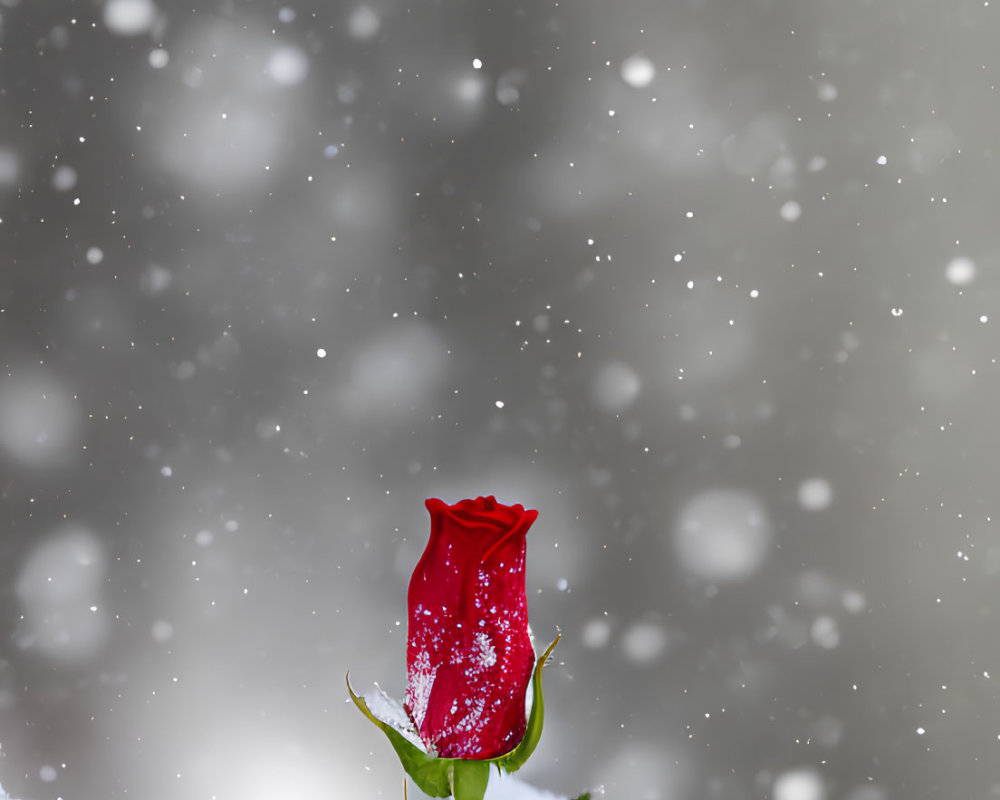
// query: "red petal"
[[469, 657]]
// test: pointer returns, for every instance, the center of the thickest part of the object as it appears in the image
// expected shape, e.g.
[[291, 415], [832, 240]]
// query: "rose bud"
[[469, 655]]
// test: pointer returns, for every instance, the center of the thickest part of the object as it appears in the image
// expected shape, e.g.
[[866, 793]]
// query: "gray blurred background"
[[712, 285]]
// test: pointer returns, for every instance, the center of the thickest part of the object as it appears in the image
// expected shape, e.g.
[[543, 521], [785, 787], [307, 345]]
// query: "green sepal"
[[468, 777], [463, 778], [516, 758], [432, 775]]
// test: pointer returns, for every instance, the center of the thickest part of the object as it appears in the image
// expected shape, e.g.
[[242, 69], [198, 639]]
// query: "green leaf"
[[516, 758], [584, 796]]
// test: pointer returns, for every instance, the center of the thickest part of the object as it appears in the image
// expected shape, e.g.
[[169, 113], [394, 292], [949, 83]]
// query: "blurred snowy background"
[[714, 286]]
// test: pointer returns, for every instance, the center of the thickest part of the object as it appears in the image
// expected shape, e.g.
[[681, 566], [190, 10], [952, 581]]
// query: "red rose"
[[469, 657]]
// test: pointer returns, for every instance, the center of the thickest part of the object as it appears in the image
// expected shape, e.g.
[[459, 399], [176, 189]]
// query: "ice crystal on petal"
[[487, 655], [421, 681]]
